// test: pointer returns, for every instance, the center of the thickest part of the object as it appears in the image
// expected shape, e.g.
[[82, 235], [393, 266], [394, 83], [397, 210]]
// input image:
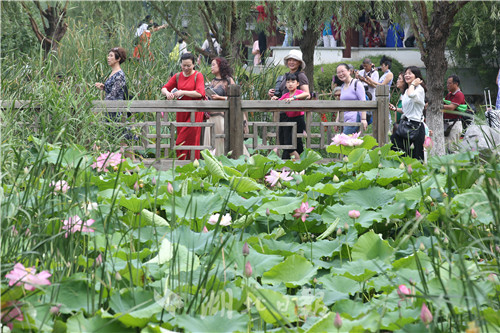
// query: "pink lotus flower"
[[28, 276], [410, 169], [59, 186], [348, 140], [107, 159], [403, 291], [205, 230], [54, 310], [354, 214], [302, 211], [275, 176], [248, 269], [428, 143], [225, 220], [170, 188], [11, 311], [425, 315], [418, 216], [74, 224], [337, 322], [473, 213]]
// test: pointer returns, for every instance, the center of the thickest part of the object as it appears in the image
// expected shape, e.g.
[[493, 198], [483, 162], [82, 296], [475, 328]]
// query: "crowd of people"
[[409, 130]]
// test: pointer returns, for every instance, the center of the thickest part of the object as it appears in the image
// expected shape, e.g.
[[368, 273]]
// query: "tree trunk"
[[432, 32], [56, 28], [307, 46]]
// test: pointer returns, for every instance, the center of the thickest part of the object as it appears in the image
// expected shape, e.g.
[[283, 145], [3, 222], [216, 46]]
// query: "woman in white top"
[[410, 137]]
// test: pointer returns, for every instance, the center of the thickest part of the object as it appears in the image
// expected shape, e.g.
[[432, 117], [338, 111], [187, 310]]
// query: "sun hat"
[[297, 55]]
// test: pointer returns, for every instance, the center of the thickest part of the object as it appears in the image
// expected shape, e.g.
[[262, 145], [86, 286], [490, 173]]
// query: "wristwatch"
[[295, 97]]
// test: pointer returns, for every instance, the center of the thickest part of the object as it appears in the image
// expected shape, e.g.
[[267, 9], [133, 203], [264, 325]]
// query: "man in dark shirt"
[[456, 97]]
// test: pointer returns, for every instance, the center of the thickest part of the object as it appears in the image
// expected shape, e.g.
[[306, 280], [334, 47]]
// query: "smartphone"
[[209, 92], [174, 90]]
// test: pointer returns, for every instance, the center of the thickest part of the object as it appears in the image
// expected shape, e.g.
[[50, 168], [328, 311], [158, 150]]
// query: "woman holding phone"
[[188, 84], [217, 90]]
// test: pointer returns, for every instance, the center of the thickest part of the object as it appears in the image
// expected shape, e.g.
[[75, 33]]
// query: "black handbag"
[[407, 130]]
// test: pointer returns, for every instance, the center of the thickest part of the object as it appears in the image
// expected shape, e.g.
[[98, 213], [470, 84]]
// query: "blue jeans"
[[352, 129]]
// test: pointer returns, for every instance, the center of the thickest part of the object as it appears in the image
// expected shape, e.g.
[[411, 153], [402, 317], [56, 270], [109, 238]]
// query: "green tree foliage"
[[474, 37]]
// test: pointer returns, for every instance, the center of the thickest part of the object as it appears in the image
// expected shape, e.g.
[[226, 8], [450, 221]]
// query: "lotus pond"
[[374, 242]]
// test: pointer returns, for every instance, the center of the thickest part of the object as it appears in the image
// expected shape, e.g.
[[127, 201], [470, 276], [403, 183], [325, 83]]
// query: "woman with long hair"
[[218, 89], [410, 133], [189, 84]]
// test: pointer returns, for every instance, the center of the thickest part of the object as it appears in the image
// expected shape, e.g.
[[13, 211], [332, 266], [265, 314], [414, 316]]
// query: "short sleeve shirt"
[[456, 98], [302, 81]]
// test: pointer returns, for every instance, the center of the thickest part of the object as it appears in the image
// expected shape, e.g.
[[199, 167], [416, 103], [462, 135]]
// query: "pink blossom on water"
[[348, 140], [426, 315], [428, 143], [11, 311], [224, 221], [248, 269], [337, 322], [275, 176], [75, 223], [27, 276], [403, 291], [302, 211], [59, 186], [354, 214], [106, 160]]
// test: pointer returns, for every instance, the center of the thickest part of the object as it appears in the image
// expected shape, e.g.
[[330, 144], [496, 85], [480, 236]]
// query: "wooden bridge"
[[158, 132]]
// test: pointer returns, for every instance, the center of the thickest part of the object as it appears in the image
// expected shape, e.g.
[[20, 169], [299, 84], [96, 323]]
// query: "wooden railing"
[[159, 132]]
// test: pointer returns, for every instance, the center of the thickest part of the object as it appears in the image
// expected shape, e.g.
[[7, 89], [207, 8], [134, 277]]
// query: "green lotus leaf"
[[80, 324], [371, 246], [294, 271], [230, 321], [372, 197]]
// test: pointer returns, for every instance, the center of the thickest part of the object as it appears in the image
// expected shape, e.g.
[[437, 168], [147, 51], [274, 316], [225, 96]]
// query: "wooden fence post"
[[235, 134], [381, 123]]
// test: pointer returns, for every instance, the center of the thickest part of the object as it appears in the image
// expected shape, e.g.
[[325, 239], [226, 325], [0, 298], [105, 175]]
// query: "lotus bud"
[[337, 322], [345, 159], [354, 214], [268, 212], [205, 230], [492, 277], [153, 181], [428, 199], [380, 166], [196, 163], [118, 277], [403, 291], [481, 170], [115, 168], [98, 260], [346, 226], [379, 152], [170, 188], [473, 213], [54, 310], [425, 315], [443, 169], [336, 179], [422, 247], [136, 187], [436, 231], [418, 215], [446, 241], [245, 250], [339, 232], [248, 269], [141, 185], [409, 169], [402, 166]]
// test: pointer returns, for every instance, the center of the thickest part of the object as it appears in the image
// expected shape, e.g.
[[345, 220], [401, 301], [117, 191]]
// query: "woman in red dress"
[[190, 85]]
